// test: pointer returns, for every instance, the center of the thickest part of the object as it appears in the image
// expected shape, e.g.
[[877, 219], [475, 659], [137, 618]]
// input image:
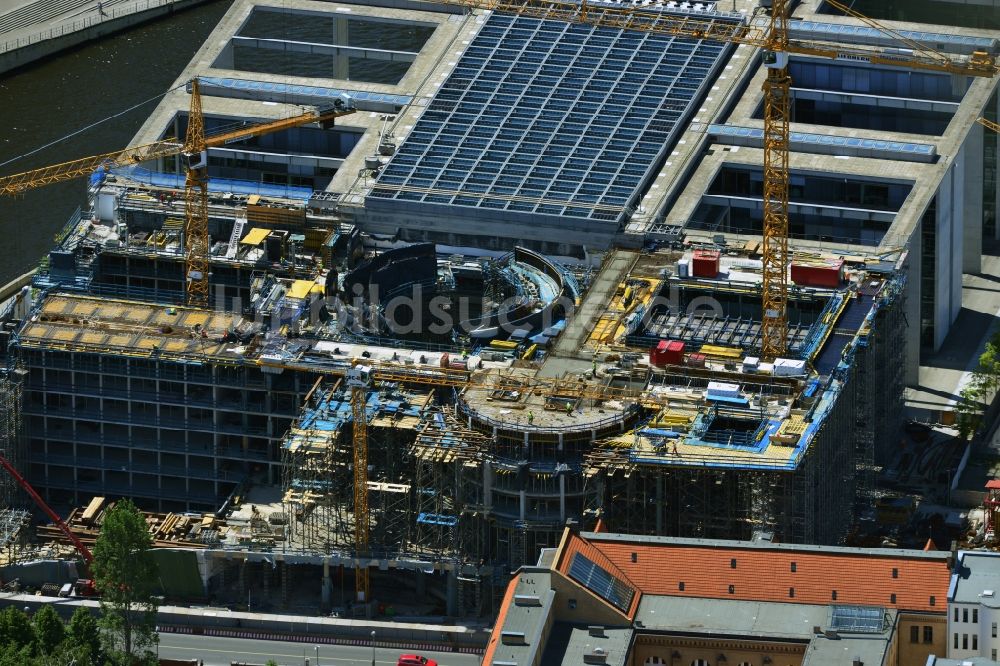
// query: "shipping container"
[[827, 274], [705, 263]]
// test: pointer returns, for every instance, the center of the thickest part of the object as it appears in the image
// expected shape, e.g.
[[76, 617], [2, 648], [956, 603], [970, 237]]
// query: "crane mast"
[[777, 90], [196, 239]]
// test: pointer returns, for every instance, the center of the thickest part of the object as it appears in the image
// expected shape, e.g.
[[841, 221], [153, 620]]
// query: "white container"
[[723, 390], [789, 367], [684, 268]]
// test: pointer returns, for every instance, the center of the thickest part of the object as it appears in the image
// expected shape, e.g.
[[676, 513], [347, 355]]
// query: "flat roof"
[[978, 580], [550, 118]]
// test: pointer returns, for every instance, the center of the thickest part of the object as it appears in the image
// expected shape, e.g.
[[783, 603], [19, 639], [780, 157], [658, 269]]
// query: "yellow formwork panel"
[[64, 334], [719, 351]]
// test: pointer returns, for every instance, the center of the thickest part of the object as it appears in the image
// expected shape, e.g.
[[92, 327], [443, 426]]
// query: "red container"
[[696, 360], [830, 274], [667, 352], [705, 263]]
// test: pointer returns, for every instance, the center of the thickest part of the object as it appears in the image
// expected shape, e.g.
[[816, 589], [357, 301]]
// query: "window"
[[928, 634], [732, 563], [956, 615], [956, 641], [975, 641], [993, 630], [833, 595], [975, 615], [680, 586], [895, 572], [932, 600], [791, 592], [732, 589], [699, 662], [965, 641], [654, 661], [914, 634], [993, 654], [793, 567], [635, 557], [965, 615], [892, 598]]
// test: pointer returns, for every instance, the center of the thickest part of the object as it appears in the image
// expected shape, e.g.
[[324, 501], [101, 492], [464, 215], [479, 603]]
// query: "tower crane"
[[195, 151], [989, 124], [773, 38]]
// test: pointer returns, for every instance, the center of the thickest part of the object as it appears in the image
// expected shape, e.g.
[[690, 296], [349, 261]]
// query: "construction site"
[[357, 346]]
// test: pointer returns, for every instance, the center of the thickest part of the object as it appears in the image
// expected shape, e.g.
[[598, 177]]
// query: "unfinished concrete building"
[[599, 384]]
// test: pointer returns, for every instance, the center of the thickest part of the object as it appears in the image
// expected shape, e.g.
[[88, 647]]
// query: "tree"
[[125, 574], [49, 629], [83, 632], [16, 632]]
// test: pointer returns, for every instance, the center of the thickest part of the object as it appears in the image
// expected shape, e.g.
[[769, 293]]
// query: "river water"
[[50, 99]]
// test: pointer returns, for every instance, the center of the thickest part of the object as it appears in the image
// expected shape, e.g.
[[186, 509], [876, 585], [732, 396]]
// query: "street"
[[223, 651]]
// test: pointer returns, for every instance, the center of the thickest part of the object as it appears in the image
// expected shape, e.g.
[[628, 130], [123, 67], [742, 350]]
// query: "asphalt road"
[[223, 651]]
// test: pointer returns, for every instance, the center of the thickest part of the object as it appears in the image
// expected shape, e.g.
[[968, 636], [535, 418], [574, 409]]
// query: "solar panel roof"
[[549, 118], [615, 591]]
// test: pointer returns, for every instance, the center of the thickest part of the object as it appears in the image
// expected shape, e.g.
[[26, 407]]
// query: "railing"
[[82, 24], [522, 426]]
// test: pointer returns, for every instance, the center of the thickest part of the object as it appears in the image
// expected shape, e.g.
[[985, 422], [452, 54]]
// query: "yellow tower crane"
[[195, 150], [989, 124], [772, 37]]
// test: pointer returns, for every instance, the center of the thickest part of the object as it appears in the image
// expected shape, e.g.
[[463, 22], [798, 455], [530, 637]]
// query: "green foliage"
[[981, 389], [126, 576], [49, 629], [16, 630], [271, 662], [83, 632]]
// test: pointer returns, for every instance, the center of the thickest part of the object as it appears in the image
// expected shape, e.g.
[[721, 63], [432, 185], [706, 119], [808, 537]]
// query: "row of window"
[[965, 642], [915, 634], [975, 617]]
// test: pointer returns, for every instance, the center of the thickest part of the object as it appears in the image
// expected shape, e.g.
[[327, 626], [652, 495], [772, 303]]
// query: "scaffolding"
[[11, 433]]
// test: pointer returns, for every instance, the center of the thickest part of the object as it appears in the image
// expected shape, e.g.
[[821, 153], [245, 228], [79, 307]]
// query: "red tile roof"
[[495, 635], [862, 577]]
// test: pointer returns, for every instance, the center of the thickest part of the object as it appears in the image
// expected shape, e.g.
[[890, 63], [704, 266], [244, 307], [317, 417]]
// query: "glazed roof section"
[[550, 118]]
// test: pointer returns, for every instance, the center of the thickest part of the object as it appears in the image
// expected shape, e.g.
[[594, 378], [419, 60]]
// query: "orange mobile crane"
[[195, 150], [773, 38]]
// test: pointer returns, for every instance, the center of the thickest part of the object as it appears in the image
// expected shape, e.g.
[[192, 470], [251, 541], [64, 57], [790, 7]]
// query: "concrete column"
[[523, 503], [972, 195], [947, 257], [659, 504], [912, 311], [243, 582], [451, 598], [562, 498], [327, 585], [996, 194], [487, 487], [341, 36]]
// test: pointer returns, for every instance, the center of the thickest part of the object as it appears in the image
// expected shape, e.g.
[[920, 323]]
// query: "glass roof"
[[550, 118]]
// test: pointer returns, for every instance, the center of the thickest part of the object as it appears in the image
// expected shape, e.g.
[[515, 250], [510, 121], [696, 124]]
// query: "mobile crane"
[[773, 38], [85, 585], [195, 152]]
